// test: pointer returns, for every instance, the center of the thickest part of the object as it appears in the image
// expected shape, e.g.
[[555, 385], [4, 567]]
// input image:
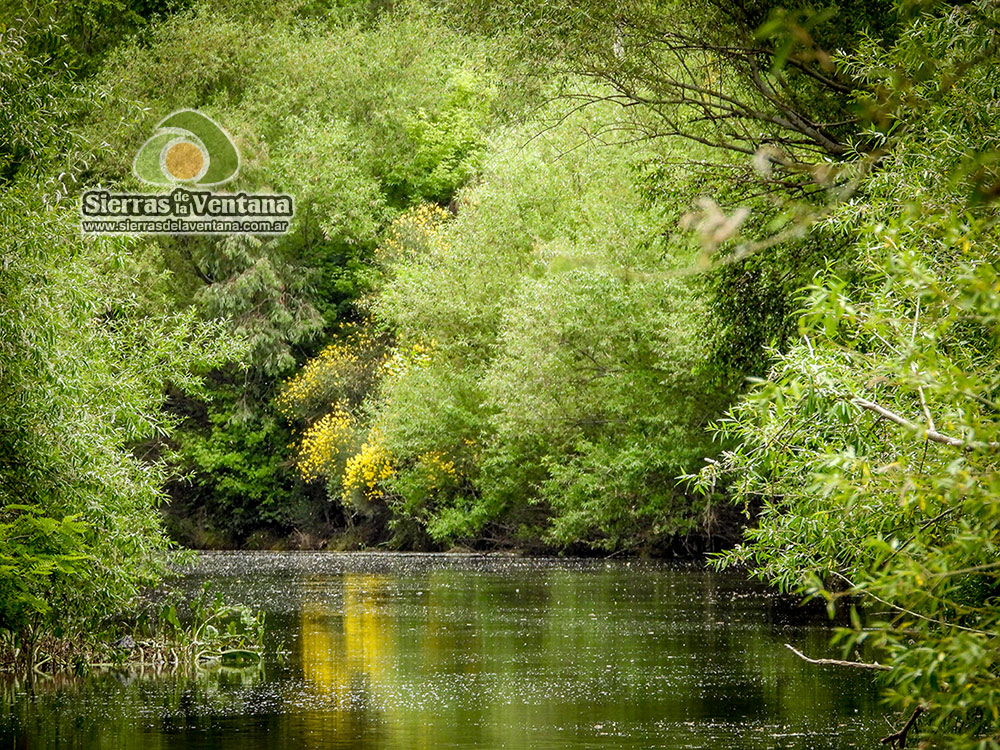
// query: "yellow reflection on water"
[[350, 657], [352, 648]]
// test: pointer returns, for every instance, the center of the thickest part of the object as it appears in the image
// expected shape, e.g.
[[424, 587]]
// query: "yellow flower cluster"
[[416, 231], [438, 470], [324, 442], [325, 371], [366, 470], [336, 372]]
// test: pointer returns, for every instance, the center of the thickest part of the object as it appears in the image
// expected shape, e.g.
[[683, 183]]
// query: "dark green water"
[[410, 651]]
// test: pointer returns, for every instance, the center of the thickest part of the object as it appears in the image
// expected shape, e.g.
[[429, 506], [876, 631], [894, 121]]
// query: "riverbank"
[[199, 532], [168, 627]]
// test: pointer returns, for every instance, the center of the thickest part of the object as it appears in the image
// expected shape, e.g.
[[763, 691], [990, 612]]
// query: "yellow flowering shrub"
[[368, 469], [324, 443], [344, 371], [324, 372]]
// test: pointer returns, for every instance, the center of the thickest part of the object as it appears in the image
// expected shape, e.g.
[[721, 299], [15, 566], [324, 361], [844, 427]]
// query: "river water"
[[405, 652]]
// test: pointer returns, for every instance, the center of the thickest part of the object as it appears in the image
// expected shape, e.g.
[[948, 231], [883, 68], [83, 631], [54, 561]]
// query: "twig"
[[910, 612], [923, 527], [838, 662], [913, 368]]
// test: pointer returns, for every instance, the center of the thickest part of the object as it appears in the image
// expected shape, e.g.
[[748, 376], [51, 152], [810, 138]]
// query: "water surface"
[[403, 652]]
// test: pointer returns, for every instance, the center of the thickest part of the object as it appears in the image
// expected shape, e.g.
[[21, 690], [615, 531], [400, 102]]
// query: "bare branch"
[[898, 739], [838, 662]]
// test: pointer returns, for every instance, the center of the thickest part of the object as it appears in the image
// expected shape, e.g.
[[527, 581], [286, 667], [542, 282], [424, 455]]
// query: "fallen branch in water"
[[900, 736], [837, 662]]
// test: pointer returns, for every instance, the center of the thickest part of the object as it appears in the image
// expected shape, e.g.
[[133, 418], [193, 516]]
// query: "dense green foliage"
[[357, 119], [561, 378], [873, 443], [84, 360]]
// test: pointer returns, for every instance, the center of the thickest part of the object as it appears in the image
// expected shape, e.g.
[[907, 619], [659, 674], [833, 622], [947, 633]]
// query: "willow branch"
[[932, 435]]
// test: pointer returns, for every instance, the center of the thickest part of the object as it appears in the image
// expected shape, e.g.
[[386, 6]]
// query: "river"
[[405, 652]]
